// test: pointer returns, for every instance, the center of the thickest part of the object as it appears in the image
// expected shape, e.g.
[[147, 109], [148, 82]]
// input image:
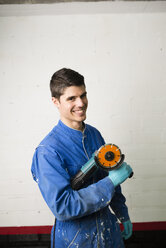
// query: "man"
[[83, 217]]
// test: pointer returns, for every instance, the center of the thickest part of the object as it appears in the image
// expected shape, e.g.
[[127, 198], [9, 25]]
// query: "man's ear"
[[55, 102]]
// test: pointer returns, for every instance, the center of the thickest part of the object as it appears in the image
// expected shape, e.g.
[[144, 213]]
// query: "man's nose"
[[80, 102]]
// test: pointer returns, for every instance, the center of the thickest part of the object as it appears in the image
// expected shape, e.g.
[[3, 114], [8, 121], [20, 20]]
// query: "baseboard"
[[18, 230]]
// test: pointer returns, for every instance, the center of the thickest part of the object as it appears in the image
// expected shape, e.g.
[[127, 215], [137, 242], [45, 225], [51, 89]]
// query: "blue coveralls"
[[83, 217]]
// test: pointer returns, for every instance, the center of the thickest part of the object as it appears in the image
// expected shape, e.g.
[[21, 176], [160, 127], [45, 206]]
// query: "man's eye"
[[83, 96], [71, 98]]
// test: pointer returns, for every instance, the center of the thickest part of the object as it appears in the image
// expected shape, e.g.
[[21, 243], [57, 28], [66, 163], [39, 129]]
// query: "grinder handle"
[[132, 173]]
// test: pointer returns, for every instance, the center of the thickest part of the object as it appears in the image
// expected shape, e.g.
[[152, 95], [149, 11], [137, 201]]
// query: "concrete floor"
[[139, 239]]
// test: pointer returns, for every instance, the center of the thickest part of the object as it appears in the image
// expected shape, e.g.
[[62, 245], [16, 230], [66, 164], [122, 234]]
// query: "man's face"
[[72, 106]]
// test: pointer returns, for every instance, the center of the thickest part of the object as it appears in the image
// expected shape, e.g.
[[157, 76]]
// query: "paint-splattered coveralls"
[[83, 217]]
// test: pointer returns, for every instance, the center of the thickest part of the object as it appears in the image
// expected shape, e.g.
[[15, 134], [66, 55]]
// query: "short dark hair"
[[64, 78]]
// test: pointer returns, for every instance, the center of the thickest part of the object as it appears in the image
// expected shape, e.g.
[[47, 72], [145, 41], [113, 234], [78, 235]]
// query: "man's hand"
[[119, 175], [128, 229]]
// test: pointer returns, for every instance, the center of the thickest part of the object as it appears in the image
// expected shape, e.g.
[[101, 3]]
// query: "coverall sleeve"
[[118, 205], [54, 183]]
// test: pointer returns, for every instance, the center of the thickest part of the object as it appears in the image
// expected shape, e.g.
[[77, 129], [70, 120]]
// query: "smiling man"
[[72, 106], [84, 218]]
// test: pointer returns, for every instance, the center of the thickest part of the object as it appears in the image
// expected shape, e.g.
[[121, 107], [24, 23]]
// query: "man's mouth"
[[79, 111]]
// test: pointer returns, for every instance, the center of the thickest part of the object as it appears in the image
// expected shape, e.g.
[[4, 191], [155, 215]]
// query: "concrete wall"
[[120, 48]]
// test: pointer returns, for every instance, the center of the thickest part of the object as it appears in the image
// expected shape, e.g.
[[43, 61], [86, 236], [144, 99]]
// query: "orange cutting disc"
[[109, 156]]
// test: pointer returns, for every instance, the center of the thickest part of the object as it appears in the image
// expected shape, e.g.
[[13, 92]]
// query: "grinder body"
[[107, 157]]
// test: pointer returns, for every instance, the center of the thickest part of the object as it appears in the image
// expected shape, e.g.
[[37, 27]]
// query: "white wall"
[[120, 48]]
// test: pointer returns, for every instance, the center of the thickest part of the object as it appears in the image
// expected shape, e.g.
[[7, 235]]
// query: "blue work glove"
[[120, 174], [128, 229]]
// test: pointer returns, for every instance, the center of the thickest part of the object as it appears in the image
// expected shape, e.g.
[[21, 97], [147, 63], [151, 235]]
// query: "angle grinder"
[[107, 157]]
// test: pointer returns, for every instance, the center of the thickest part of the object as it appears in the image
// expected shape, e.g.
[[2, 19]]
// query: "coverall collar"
[[71, 131]]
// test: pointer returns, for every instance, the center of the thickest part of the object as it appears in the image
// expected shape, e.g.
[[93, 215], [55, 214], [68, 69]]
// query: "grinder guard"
[[109, 157]]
